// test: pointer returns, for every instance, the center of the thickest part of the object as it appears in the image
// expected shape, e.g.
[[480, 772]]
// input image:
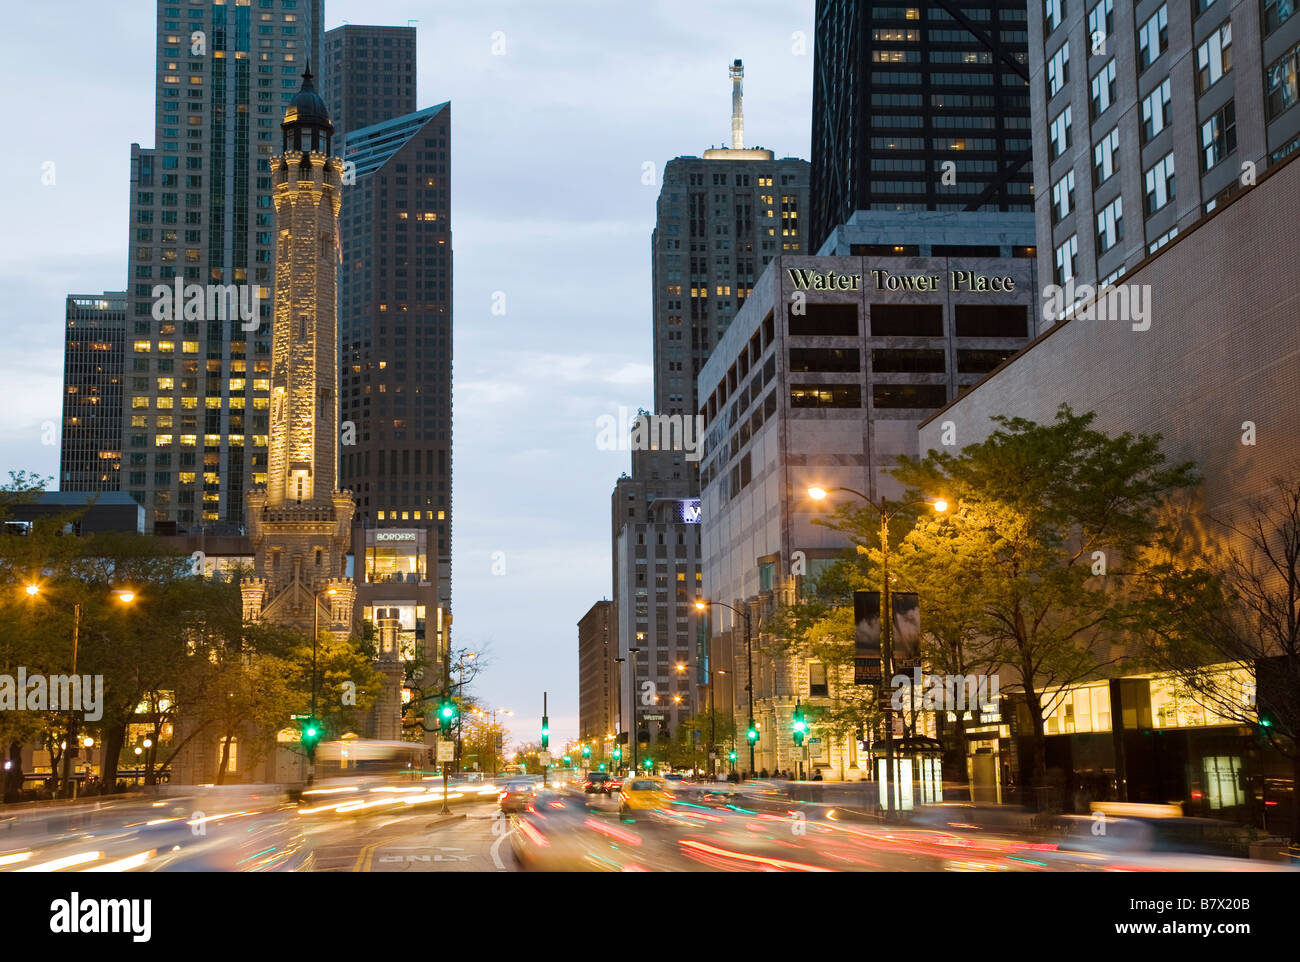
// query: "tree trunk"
[[14, 774], [114, 737], [225, 759]]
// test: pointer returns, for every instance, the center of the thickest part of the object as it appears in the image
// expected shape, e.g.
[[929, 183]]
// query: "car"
[[517, 797], [643, 793], [596, 783], [675, 779]]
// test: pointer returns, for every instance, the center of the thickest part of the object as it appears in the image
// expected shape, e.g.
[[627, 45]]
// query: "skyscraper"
[[90, 454], [1147, 116], [901, 91], [368, 75], [719, 219], [198, 380], [395, 329]]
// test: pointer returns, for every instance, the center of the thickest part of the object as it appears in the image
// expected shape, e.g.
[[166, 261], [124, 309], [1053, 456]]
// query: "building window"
[[1065, 258], [1276, 13], [1058, 70], [1103, 89], [1156, 113], [1105, 157], [1101, 24], [1160, 183], [1110, 225], [1053, 14], [1218, 136], [1280, 83], [817, 687], [1063, 197], [1214, 58], [1061, 133], [1153, 37]]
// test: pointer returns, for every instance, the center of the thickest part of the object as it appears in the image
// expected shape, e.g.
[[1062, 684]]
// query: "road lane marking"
[[364, 858]]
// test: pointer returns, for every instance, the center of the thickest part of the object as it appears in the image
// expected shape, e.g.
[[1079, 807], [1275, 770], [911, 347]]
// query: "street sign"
[[300, 717], [446, 750], [653, 717], [814, 741], [543, 758]]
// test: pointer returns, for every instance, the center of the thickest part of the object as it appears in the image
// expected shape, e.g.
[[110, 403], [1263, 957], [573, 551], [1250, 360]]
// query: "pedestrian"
[[817, 775], [763, 773]]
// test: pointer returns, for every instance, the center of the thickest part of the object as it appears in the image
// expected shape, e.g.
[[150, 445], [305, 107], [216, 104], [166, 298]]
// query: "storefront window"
[[1223, 781], [394, 556]]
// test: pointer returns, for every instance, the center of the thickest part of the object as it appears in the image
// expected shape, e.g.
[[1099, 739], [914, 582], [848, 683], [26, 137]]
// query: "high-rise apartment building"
[[368, 75], [1147, 116], [395, 328], [197, 392], [90, 452], [900, 92]]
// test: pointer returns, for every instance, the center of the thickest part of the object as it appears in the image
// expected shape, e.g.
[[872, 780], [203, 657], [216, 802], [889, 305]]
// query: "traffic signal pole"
[[546, 741]]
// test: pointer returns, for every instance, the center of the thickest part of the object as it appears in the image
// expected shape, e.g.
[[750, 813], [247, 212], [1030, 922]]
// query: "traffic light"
[[586, 751], [731, 756], [446, 715], [618, 754], [648, 763], [602, 766], [566, 761], [311, 733], [800, 725], [751, 736], [546, 731]]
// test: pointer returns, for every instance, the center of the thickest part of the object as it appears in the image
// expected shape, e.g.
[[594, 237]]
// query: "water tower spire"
[[737, 111]]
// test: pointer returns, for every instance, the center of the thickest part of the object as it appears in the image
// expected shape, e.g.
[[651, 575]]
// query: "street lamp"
[[749, 657], [886, 612], [460, 688], [125, 596]]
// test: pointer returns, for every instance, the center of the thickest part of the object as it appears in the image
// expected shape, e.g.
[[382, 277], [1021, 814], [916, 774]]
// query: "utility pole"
[[546, 741]]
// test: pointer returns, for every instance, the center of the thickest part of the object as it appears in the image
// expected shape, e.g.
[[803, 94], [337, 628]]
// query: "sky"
[[561, 113]]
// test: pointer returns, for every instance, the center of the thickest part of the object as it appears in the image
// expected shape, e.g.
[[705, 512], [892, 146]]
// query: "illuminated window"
[[164, 402], [139, 402], [189, 347], [236, 384], [166, 384], [261, 384], [142, 347], [166, 347], [164, 420], [162, 440], [212, 403], [259, 440], [188, 440], [187, 477]]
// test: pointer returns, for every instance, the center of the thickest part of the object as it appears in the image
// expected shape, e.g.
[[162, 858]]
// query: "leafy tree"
[[1227, 608], [1053, 520]]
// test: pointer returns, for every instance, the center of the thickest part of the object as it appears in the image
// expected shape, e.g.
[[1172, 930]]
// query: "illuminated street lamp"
[[886, 611]]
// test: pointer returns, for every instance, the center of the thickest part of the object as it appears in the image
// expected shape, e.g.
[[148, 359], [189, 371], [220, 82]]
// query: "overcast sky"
[[549, 143]]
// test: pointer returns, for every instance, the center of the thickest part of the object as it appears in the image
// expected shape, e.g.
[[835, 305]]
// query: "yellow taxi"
[[643, 793]]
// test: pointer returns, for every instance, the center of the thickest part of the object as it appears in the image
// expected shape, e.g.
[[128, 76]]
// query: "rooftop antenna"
[[737, 73]]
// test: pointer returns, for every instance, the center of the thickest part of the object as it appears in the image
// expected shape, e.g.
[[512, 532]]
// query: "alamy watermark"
[[79, 693], [918, 692], [208, 302], [651, 432], [1110, 302]]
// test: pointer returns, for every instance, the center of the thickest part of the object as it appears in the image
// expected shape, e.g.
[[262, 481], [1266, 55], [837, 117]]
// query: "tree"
[[1228, 611], [1054, 519]]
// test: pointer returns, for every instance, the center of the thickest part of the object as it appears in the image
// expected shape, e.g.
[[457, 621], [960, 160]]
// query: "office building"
[[719, 219], [197, 395], [395, 335], [1149, 115], [919, 106], [368, 75], [1210, 357], [90, 450], [821, 380], [597, 681]]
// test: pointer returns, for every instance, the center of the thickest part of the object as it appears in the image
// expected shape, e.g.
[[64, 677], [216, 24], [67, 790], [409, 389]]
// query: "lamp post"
[[125, 596], [315, 644], [713, 720], [886, 614], [636, 725], [619, 662], [749, 657], [460, 715]]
